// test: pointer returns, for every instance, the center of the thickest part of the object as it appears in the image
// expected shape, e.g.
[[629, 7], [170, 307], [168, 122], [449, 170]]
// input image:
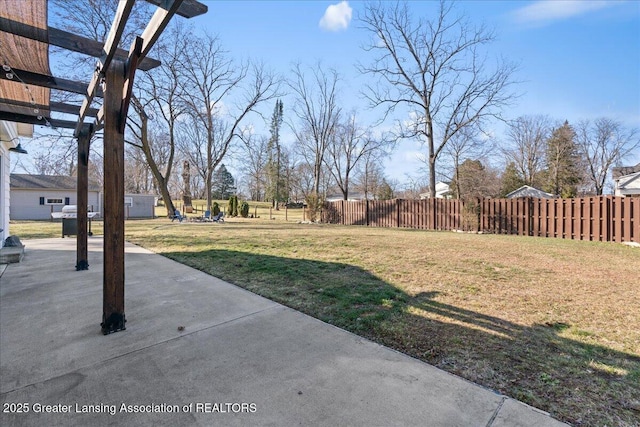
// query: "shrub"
[[244, 209], [314, 203], [230, 206], [233, 206]]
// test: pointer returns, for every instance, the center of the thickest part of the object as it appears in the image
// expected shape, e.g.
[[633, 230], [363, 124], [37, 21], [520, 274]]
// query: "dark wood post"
[[82, 192], [113, 318]]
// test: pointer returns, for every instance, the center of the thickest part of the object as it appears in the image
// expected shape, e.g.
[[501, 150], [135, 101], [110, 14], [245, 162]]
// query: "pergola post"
[[82, 189], [113, 317]]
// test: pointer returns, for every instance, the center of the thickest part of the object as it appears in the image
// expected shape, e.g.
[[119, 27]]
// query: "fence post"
[[366, 209], [635, 227]]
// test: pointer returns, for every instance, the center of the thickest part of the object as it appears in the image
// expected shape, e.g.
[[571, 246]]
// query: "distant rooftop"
[[528, 191], [624, 170], [48, 182]]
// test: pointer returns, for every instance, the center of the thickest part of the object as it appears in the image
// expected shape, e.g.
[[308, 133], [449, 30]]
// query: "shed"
[[528, 191], [35, 197], [139, 205]]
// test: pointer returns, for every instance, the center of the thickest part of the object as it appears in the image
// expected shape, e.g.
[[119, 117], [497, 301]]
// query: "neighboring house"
[[443, 191], [627, 180], [35, 197], [628, 185], [9, 134], [528, 191]]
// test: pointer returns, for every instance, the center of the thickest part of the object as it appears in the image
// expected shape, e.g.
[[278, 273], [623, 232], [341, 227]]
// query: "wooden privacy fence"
[[603, 218]]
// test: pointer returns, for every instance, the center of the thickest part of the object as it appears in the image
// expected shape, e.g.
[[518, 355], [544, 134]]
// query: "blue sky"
[[578, 59]]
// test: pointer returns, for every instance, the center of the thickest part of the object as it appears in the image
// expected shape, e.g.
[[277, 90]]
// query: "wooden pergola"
[[25, 84]]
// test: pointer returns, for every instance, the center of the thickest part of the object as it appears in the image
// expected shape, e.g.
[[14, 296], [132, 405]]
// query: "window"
[[128, 201], [53, 201]]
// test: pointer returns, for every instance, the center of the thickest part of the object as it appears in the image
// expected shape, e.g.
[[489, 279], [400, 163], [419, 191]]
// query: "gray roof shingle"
[[48, 182]]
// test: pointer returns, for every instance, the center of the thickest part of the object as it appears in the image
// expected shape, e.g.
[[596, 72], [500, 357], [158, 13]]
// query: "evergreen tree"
[[511, 179], [222, 184], [276, 190], [385, 192], [562, 162], [473, 180]]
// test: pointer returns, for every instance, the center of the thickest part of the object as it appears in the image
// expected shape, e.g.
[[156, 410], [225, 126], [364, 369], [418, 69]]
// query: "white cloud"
[[546, 11], [337, 17]]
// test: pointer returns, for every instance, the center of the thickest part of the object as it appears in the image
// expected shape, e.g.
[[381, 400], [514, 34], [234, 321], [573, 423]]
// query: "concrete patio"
[[199, 351]]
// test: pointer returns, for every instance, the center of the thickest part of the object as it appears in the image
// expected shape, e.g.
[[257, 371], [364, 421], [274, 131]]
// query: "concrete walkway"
[[199, 351]]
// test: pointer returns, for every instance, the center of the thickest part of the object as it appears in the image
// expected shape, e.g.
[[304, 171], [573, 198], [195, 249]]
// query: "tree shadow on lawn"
[[580, 383]]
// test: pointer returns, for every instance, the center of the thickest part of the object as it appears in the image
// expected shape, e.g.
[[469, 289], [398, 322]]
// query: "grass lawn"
[[554, 323]]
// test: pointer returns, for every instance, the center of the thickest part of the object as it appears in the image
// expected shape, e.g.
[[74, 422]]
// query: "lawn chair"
[[207, 216], [218, 218], [177, 215]]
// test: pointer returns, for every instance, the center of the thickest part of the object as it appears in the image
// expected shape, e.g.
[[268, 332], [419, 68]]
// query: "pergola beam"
[[157, 24], [115, 33], [45, 80], [68, 41], [188, 9], [23, 118], [59, 107]]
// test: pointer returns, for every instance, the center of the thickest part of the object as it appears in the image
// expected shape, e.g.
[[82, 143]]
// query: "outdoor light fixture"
[[18, 149]]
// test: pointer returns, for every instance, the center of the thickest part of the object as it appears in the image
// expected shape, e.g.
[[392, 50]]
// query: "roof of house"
[[620, 171], [528, 191], [47, 182], [629, 182]]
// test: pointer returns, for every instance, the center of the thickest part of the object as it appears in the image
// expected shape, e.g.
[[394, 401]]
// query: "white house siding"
[[25, 203], [628, 185], [4, 192]]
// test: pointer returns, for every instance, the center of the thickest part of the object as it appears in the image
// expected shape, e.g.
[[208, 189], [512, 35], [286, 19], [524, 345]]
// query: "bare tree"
[[301, 183], [348, 147], [317, 110], [137, 176], [436, 70], [528, 138], [211, 78], [254, 164], [370, 174], [604, 143], [158, 152]]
